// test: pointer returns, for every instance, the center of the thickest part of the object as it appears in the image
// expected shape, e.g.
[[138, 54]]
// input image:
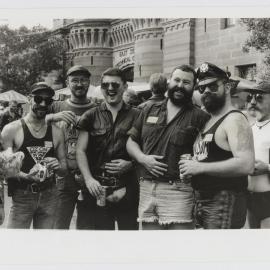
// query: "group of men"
[[118, 164]]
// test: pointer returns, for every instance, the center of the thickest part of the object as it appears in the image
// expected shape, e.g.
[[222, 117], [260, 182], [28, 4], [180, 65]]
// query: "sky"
[[29, 12]]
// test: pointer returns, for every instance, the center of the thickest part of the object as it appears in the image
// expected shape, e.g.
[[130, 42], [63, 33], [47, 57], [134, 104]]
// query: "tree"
[[26, 55], [259, 39]]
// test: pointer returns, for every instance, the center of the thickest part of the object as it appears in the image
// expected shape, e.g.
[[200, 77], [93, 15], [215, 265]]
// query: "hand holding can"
[[184, 179], [101, 200]]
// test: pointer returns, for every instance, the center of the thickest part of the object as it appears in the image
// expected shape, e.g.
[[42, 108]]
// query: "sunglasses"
[[258, 97], [213, 87], [106, 85], [38, 100]]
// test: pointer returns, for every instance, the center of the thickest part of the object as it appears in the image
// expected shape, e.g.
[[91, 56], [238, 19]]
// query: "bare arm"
[[240, 140], [67, 116], [60, 166], [92, 184]]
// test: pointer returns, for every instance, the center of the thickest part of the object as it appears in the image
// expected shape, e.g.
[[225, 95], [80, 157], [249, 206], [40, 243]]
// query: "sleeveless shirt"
[[205, 149], [35, 149]]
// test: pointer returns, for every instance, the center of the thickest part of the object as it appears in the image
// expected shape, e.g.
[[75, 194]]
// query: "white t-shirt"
[[261, 135]]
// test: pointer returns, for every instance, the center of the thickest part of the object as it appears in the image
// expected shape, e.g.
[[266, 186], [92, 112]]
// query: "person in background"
[[158, 87], [258, 103], [10, 114]]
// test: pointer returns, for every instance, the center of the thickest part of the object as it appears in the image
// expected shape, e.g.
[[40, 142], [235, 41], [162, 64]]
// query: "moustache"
[[254, 107]]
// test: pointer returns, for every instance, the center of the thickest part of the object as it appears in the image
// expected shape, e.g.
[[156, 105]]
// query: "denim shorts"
[[165, 203], [223, 209]]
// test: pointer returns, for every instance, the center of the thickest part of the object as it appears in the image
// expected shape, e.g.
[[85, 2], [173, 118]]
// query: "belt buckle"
[[34, 188], [114, 181]]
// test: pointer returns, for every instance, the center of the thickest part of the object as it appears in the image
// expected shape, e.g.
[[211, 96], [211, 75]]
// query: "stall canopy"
[[13, 95]]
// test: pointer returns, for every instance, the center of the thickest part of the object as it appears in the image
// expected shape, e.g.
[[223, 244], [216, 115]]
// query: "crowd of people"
[[165, 164]]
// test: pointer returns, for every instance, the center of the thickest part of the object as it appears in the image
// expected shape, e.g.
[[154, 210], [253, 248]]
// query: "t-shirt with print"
[[71, 134]]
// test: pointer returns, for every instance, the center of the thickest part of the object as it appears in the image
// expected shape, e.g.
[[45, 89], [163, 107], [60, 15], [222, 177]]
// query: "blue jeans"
[[28, 207], [223, 209], [65, 209]]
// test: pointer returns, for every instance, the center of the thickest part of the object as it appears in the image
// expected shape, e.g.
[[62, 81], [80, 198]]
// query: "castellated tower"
[[148, 47], [89, 44]]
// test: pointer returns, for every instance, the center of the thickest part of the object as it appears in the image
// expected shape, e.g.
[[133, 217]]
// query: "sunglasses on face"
[[38, 100], [106, 85], [213, 87], [258, 97]]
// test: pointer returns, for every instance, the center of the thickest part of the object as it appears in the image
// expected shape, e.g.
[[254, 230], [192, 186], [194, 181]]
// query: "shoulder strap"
[[219, 121]]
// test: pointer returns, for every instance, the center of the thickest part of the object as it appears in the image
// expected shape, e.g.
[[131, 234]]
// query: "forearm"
[[49, 118], [83, 165], [134, 150], [232, 167]]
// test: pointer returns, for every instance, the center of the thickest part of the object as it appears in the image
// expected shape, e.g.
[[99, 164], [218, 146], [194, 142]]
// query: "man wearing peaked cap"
[[258, 102], [223, 155], [42, 86], [34, 195], [66, 114], [78, 69]]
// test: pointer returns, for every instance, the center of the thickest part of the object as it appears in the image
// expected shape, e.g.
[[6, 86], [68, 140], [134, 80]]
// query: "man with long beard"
[[163, 132], [34, 195], [223, 155]]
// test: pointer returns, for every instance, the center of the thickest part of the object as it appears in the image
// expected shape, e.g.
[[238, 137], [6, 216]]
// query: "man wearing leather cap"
[[223, 155], [104, 161], [66, 114], [258, 102], [34, 193]]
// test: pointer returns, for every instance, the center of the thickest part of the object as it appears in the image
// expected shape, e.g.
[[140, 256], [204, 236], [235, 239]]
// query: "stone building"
[[141, 47]]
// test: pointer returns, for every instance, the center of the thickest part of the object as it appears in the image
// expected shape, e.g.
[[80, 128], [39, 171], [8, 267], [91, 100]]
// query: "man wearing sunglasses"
[[103, 159], [10, 114], [160, 136], [258, 103], [223, 155], [66, 114], [34, 195]]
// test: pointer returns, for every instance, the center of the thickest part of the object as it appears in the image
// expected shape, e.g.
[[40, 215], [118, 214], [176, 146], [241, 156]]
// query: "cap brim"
[[207, 81]]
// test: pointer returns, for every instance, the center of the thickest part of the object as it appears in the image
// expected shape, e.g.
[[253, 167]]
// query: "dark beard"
[[36, 108], [185, 99], [212, 102]]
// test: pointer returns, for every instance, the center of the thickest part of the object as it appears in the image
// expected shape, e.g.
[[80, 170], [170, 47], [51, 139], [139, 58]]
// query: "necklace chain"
[[262, 125], [35, 130]]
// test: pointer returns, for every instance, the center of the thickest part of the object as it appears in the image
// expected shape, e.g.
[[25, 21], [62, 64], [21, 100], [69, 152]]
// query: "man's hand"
[[190, 167], [260, 168], [68, 116], [94, 187], [155, 167], [118, 166], [52, 163], [117, 195]]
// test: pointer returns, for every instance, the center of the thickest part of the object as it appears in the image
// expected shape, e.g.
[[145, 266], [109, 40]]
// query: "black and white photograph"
[[125, 126]]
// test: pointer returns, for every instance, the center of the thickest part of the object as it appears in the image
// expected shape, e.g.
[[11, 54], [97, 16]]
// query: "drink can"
[[80, 196], [42, 172], [184, 157], [101, 201]]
